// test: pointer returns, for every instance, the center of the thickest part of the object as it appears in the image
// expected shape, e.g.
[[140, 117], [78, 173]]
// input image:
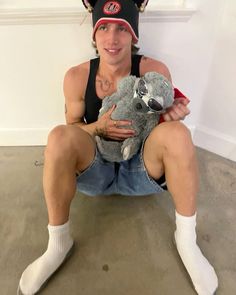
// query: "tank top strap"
[[94, 64], [136, 58], [92, 101]]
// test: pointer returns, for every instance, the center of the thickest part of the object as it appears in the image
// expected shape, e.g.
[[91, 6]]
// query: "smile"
[[112, 51]]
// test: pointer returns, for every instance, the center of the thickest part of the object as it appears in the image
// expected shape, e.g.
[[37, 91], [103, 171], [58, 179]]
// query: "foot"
[[37, 274], [198, 267]]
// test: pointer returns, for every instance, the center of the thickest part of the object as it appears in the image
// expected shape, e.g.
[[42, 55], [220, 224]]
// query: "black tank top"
[[92, 102]]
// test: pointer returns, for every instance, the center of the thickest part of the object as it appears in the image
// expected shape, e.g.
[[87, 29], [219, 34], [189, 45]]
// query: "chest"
[[104, 87]]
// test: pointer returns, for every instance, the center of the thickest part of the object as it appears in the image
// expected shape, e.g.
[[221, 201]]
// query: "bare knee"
[[180, 146], [57, 140], [173, 137], [184, 141], [178, 139], [61, 140], [70, 143], [169, 140]]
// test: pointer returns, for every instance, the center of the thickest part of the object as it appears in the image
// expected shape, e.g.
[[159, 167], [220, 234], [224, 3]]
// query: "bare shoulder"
[[149, 64], [77, 70], [75, 80]]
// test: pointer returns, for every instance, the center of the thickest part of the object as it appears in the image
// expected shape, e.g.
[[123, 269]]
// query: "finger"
[[166, 117], [174, 116], [120, 132], [185, 110], [120, 137], [122, 123], [117, 138], [109, 112], [175, 113], [179, 112], [183, 100], [114, 122]]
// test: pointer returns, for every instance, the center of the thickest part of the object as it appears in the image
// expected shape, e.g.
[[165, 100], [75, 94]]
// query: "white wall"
[[217, 114], [33, 62], [201, 57], [199, 53]]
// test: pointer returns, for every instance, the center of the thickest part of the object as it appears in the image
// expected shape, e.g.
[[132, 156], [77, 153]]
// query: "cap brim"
[[117, 21]]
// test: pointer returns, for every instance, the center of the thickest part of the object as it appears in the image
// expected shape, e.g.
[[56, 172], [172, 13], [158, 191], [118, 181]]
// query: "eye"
[[102, 27], [122, 28]]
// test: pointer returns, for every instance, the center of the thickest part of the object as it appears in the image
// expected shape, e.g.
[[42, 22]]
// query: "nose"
[[112, 36]]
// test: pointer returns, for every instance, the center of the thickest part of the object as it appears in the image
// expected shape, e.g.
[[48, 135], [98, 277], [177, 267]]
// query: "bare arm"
[[179, 110], [74, 87]]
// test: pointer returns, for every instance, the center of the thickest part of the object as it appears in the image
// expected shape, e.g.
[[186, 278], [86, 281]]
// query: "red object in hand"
[[177, 94]]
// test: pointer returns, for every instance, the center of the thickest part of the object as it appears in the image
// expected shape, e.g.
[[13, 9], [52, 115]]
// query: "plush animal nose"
[[155, 105], [139, 106]]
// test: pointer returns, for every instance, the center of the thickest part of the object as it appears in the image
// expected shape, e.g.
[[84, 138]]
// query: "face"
[[113, 42]]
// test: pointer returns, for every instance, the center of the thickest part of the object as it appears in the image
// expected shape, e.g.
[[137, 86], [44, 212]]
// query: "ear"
[[141, 4], [89, 4]]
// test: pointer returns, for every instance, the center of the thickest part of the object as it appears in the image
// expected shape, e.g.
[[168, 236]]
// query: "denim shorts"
[[129, 178]]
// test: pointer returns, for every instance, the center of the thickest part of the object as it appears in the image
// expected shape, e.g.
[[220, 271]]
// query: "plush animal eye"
[[154, 105]]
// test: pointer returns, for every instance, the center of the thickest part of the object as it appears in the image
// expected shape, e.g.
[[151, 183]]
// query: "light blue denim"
[[128, 178]]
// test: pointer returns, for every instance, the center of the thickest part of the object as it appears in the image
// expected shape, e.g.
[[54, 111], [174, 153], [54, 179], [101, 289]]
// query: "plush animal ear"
[[141, 4], [89, 4]]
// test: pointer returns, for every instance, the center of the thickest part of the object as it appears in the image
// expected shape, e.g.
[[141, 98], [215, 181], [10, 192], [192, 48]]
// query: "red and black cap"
[[125, 12]]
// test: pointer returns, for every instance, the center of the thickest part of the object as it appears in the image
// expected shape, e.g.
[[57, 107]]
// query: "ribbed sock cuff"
[[59, 228], [185, 228], [186, 221]]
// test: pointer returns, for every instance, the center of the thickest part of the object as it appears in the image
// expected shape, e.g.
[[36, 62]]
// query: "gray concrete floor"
[[124, 244]]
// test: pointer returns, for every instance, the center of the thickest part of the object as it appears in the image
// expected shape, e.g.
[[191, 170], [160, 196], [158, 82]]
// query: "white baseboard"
[[24, 136], [214, 141], [203, 137]]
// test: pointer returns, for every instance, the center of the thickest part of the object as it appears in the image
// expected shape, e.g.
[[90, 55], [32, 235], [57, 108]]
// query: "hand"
[[178, 111], [106, 127]]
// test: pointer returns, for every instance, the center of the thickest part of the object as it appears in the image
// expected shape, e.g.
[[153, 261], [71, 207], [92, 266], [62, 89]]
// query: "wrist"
[[96, 129]]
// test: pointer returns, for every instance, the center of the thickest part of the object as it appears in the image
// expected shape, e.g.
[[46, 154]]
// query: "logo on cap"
[[111, 7]]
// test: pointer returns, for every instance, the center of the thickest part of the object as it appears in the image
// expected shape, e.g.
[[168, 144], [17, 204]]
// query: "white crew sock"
[[60, 242], [200, 270]]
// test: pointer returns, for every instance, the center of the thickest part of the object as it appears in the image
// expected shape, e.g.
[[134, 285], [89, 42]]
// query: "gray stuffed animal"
[[140, 100]]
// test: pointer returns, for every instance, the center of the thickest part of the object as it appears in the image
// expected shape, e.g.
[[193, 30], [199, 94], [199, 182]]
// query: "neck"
[[115, 71]]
